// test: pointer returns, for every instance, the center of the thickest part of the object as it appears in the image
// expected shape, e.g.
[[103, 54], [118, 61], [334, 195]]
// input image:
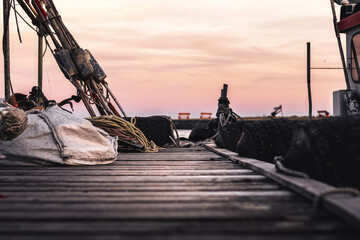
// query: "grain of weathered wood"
[[107, 215], [172, 158], [157, 225], [169, 163], [176, 193], [231, 226], [126, 167], [208, 178], [136, 163], [68, 172], [180, 235], [142, 196], [343, 205], [246, 211], [143, 187], [288, 205]]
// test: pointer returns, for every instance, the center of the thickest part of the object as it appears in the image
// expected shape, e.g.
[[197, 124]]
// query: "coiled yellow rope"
[[117, 126]]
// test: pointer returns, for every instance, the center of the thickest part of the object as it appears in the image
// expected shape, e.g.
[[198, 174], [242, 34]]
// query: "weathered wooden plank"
[[170, 158], [126, 179], [136, 187], [180, 235], [246, 210], [289, 205], [343, 205], [169, 163], [171, 152], [157, 163], [142, 197], [174, 152], [155, 157], [128, 167], [84, 172], [54, 184], [88, 215], [199, 226], [120, 195]]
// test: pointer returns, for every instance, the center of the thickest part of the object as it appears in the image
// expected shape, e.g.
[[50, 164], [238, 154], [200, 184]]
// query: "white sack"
[[56, 136]]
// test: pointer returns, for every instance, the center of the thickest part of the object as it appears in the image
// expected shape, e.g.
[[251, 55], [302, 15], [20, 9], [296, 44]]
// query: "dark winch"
[[225, 116]]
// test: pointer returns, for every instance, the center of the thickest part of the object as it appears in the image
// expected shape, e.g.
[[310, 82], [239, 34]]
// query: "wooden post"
[[6, 48], [40, 60], [224, 91], [309, 80]]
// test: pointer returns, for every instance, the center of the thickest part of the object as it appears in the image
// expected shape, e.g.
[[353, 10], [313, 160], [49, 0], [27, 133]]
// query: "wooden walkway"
[[175, 194]]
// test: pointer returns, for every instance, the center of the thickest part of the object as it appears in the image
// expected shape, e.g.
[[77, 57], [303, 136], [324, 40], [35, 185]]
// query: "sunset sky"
[[170, 56]]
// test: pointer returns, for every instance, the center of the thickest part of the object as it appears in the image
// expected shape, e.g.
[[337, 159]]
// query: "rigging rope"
[[340, 190], [281, 168], [16, 20], [124, 130], [16, 12]]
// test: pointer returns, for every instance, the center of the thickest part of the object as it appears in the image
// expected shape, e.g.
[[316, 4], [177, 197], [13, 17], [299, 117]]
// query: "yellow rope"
[[128, 127]]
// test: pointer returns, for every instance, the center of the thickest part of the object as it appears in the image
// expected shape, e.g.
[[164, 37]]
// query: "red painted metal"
[[37, 5], [350, 22]]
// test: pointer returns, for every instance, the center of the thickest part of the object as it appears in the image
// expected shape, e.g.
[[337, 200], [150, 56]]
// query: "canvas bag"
[[56, 136]]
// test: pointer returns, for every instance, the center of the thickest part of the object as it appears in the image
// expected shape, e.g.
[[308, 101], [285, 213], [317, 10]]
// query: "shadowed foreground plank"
[[182, 194]]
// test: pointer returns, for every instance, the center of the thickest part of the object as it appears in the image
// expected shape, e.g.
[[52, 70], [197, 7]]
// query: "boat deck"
[[188, 193]]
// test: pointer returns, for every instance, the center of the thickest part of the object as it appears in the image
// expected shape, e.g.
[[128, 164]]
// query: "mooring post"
[[309, 80], [224, 91], [6, 48]]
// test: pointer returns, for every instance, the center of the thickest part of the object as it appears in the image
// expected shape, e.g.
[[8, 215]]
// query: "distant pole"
[[6, 48], [309, 80]]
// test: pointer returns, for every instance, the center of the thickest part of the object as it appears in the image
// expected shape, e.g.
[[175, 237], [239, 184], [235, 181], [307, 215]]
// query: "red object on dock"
[[323, 113], [348, 23], [184, 115], [205, 115]]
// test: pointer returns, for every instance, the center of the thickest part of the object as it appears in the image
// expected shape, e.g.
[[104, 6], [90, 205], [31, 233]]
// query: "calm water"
[[184, 132]]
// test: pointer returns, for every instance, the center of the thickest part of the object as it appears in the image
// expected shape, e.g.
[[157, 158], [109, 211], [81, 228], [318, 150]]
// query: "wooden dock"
[[188, 193]]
